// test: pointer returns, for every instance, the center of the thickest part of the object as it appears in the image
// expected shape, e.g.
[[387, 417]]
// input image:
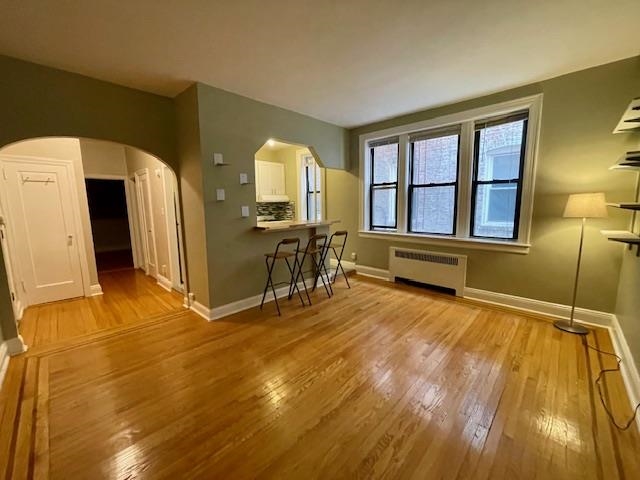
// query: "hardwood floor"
[[381, 381], [129, 297]]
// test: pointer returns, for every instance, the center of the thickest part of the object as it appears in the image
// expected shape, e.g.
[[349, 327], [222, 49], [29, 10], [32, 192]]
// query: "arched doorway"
[[59, 226]]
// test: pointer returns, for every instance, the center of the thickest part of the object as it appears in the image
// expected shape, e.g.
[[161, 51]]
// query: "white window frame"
[[466, 120], [302, 156]]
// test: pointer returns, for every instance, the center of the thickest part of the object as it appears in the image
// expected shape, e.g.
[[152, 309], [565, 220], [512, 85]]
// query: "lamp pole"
[[563, 324]]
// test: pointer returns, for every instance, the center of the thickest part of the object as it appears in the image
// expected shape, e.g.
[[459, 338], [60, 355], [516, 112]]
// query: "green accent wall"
[[628, 301], [237, 127], [576, 148], [39, 101]]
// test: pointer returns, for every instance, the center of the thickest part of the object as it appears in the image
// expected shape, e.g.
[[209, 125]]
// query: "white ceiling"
[[348, 62]]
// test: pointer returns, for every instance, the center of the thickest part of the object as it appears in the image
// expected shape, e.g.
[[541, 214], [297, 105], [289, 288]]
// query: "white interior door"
[[40, 206], [146, 222]]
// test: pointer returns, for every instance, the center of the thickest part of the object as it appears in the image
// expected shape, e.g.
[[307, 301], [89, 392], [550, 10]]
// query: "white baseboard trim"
[[348, 266], [222, 311], [15, 346], [201, 310], [628, 368], [164, 282], [523, 304], [529, 305], [373, 272], [4, 361], [20, 309], [95, 289]]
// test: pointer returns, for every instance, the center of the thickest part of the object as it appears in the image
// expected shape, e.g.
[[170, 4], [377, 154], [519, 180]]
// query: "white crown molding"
[[95, 290], [164, 282]]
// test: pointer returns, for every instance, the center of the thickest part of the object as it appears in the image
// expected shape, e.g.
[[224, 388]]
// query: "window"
[[312, 189], [465, 177], [310, 199], [384, 184], [433, 182], [497, 176]]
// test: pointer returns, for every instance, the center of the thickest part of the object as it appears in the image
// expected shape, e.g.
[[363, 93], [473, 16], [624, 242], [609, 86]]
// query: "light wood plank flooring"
[[129, 297], [381, 381]]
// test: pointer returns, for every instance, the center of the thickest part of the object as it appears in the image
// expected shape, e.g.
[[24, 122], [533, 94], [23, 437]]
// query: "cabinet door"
[[263, 179], [277, 179]]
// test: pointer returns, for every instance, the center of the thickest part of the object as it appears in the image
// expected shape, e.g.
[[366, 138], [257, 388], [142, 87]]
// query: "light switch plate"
[[244, 179], [220, 194], [218, 159], [244, 211]]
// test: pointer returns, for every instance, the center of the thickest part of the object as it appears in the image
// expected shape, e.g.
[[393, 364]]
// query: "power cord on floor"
[[599, 385]]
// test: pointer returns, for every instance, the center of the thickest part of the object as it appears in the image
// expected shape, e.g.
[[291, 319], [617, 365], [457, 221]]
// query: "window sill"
[[470, 243]]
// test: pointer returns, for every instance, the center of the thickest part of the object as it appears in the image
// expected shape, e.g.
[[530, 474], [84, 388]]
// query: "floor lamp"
[[581, 205]]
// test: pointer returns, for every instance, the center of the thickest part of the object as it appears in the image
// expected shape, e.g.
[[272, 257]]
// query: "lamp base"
[[568, 327]]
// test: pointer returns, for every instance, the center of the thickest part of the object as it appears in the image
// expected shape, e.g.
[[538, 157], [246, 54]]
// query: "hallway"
[[129, 297]]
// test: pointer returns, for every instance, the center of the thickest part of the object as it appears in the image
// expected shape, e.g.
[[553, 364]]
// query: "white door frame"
[[173, 223], [142, 224], [130, 207], [16, 298], [75, 207]]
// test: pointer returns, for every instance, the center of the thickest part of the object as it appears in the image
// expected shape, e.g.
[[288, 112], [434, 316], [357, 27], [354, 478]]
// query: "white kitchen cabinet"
[[270, 179]]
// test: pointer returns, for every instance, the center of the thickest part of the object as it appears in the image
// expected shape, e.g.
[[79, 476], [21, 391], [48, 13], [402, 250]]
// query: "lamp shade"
[[585, 205]]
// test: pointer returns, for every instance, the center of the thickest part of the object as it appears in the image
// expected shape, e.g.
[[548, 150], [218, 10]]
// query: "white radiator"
[[432, 268]]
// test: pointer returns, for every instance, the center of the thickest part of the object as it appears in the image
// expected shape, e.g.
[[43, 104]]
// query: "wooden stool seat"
[[280, 255]]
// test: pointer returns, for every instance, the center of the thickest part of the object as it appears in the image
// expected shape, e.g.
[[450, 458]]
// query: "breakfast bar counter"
[[280, 226]]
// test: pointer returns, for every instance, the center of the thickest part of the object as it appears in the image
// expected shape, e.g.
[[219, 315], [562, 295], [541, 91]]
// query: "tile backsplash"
[[279, 210]]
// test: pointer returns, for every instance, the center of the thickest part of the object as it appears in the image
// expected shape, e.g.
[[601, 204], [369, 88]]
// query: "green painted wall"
[[628, 300], [192, 197], [39, 101], [237, 127], [579, 113]]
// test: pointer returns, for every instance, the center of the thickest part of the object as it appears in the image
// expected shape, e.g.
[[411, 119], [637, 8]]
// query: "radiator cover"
[[432, 268]]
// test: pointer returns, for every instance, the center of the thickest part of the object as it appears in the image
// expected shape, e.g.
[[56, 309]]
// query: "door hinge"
[[4, 173], [23, 287], [13, 297]]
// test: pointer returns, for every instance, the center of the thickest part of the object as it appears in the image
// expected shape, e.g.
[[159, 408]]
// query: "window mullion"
[[465, 174], [403, 182]]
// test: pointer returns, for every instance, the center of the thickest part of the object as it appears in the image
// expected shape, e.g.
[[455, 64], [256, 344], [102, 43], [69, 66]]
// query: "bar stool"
[[270, 260], [335, 246], [318, 254]]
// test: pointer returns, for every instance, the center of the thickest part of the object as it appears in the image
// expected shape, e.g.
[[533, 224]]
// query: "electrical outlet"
[[354, 256], [163, 269]]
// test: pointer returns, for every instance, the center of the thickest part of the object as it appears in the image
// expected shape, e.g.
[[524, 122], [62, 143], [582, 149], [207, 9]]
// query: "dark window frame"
[[518, 181], [413, 186], [383, 186]]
